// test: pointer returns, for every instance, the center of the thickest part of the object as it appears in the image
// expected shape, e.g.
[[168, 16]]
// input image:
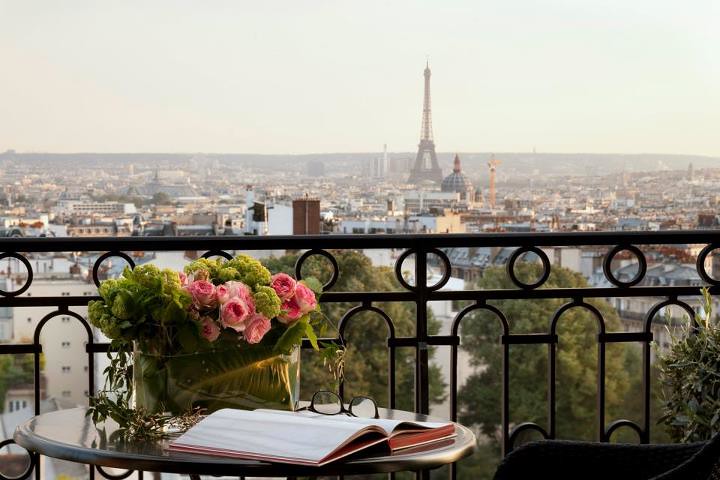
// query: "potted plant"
[[223, 333], [690, 373]]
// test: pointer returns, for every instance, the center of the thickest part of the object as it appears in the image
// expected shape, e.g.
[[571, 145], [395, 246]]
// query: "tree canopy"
[[576, 373], [366, 360]]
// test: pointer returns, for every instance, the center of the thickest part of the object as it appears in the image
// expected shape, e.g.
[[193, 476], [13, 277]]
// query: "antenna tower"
[[493, 163]]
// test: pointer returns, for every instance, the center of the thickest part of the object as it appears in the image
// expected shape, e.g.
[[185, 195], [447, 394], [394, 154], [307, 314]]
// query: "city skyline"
[[335, 77]]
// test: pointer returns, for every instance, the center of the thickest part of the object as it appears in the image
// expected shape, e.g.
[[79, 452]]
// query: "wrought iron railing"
[[422, 247]]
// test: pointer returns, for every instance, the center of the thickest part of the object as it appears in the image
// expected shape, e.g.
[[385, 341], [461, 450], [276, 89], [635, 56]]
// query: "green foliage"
[[365, 360], [161, 198], [15, 370], [480, 397], [242, 268], [691, 378], [144, 304]]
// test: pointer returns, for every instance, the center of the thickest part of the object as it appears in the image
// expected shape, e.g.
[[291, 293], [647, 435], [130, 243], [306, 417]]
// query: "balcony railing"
[[427, 250]]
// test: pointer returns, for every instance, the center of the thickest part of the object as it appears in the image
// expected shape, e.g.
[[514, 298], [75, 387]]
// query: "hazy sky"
[[334, 76]]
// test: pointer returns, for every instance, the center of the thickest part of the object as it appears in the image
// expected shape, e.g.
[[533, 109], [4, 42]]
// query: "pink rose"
[[222, 293], [229, 290], [290, 311], [210, 329], [256, 328], [203, 293], [284, 285], [183, 279], [305, 298], [234, 313]]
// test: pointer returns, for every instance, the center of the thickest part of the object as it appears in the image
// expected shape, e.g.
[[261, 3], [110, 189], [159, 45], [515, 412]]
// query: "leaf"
[[310, 333], [244, 376], [292, 336], [188, 337]]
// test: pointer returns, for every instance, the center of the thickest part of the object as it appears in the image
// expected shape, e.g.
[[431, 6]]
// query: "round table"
[[71, 435]]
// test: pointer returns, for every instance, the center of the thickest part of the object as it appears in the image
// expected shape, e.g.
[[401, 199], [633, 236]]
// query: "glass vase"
[[227, 376]]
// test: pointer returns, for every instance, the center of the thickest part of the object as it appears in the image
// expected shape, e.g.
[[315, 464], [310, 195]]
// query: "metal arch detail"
[[454, 332], [642, 265], [525, 427], [623, 423], [577, 304], [216, 253], [365, 308], [659, 306], [29, 280], [324, 253], [700, 264], [105, 256], [514, 258], [58, 313], [455, 328], [31, 466]]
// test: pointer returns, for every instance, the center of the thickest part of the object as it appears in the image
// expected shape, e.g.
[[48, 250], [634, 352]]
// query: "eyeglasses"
[[329, 403]]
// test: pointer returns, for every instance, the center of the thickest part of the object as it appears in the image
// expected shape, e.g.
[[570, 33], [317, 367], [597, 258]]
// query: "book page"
[[388, 426], [268, 435]]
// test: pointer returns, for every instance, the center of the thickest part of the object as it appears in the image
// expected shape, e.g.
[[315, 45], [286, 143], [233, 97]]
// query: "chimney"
[[306, 216]]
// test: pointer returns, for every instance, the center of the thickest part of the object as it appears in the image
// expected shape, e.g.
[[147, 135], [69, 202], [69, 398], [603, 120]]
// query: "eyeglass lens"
[[327, 403], [363, 407]]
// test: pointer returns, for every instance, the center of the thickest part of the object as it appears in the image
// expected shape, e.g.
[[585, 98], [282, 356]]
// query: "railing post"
[[422, 377]]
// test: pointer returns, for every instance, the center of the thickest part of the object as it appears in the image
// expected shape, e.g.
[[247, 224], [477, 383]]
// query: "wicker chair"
[[566, 460]]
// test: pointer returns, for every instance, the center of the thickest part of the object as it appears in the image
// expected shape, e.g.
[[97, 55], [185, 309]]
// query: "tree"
[[15, 370], [576, 374], [366, 362], [161, 198]]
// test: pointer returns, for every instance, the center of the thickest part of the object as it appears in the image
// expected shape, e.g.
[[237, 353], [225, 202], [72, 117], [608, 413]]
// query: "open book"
[[302, 438]]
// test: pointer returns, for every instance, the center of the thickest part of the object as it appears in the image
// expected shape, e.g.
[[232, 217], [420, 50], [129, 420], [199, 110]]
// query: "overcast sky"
[[334, 76]]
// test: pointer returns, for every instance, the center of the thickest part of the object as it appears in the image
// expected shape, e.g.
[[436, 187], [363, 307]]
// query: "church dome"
[[457, 181]]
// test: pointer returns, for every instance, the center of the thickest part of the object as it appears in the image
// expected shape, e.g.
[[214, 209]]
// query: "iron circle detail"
[[29, 280], [642, 265], [700, 264], [545, 264], [525, 427], [103, 257], [119, 476], [324, 253], [398, 269], [217, 253], [446, 274], [31, 463], [617, 424]]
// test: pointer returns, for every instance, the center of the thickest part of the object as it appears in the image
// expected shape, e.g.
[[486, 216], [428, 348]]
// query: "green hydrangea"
[[266, 301], [211, 265], [101, 317], [251, 271], [123, 305]]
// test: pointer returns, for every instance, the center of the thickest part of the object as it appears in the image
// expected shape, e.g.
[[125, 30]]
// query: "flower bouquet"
[[223, 333]]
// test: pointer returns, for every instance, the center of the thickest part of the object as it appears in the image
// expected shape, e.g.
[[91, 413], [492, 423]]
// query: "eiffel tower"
[[426, 164]]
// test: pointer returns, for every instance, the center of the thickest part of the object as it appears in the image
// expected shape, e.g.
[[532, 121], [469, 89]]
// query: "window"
[[85, 368], [29, 319], [66, 393], [66, 369], [65, 344]]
